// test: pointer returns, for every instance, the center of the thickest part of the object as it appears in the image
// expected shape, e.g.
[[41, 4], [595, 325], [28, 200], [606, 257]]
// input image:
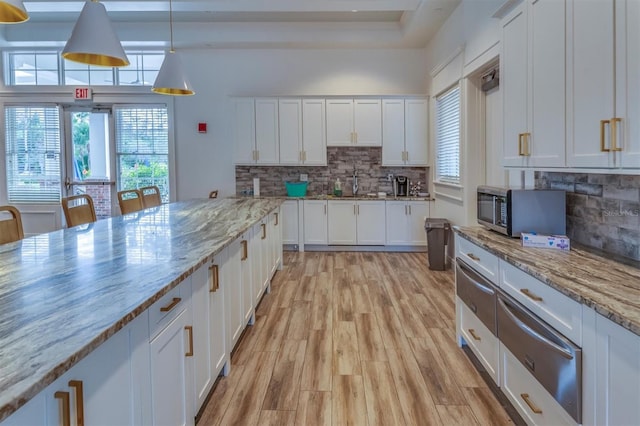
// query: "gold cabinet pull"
[[531, 405], [171, 305], [527, 148], [530, 295], [520, 152], [264, 231], [276, 224], [405, 210], [473, 256], [189, 329], [245, 252], [66, 410], [614, 134], [354, 209], [304, 155], [410, 210], [473, 334], [77, 386], [215, 278], [602, 135]]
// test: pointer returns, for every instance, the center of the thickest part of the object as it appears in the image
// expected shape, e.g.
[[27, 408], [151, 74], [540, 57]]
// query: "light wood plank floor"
[[354, 338]]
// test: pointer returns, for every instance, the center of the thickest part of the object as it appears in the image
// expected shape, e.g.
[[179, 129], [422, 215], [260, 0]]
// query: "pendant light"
[[12, 12], [171, 79], [93, 40]]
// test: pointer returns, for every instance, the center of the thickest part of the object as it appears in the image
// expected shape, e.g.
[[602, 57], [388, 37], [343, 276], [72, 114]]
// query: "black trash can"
[[437, 236]]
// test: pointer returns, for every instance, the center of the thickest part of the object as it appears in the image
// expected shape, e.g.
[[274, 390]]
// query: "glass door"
[[89, 159]]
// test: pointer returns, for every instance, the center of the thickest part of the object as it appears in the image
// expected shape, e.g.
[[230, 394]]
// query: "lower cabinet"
[[315, 221], [479, 338], [290, 228], [405, 222], [275, 237], [234, 274], [356, 222]]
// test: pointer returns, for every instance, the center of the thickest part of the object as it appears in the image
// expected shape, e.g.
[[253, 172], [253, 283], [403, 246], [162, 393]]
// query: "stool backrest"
[[78, 210], [130, 201], [151, 196], [11, 228]]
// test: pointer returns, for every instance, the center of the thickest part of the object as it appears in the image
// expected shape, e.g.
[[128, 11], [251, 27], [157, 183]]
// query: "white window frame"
[[452, 139]]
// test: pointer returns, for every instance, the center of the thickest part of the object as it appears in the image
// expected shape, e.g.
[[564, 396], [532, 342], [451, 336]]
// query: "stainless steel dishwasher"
[[550, 357]]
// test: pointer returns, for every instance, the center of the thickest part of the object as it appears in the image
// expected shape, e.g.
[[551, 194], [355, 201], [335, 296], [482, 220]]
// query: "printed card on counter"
[[558, 242]]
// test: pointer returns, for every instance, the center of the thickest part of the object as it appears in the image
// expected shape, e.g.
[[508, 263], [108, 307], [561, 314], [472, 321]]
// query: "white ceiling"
[[245, 23]]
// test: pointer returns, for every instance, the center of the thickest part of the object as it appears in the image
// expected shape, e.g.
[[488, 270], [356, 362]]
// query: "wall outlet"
[[304, 177], [390, 177]]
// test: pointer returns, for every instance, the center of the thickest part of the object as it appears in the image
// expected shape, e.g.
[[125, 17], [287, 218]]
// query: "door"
[[393, 136], [290, 124], [367, 122], [370, 223], [315, 221], [340, 122], [341, 222], [89, 168]]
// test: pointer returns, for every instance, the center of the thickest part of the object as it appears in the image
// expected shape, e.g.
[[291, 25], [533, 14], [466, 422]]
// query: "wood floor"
[[354, 338]]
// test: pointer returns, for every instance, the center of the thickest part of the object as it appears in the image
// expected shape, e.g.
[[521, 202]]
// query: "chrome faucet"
[[355, 181]]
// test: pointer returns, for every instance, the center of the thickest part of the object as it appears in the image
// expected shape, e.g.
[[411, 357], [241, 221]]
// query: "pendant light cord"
[[171, 25]]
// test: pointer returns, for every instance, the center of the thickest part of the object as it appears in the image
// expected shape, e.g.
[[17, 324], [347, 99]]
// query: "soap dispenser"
[[337, 188]]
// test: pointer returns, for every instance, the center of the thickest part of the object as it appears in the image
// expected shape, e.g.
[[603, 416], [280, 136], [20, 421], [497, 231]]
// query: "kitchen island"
[[64, 293]]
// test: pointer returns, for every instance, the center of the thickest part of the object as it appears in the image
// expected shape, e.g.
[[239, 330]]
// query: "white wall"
[[205, 161]]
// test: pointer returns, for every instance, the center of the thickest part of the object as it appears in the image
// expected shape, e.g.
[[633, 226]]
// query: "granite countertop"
[[65, 292], [344, 197], [611, 288]]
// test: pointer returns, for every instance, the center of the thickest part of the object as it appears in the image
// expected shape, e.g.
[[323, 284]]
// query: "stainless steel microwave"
[[513, 211]]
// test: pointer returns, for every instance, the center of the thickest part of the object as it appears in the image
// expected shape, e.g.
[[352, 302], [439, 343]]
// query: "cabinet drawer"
[[559, 311], [480, 339], [533, 402], [478, 258], [168, 307]]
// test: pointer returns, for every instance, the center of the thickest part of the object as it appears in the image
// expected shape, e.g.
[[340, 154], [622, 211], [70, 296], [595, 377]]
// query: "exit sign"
[[82, 93]]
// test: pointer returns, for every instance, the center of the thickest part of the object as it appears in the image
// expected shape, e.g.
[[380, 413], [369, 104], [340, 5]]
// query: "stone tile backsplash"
[[372, 177], [603, 211]]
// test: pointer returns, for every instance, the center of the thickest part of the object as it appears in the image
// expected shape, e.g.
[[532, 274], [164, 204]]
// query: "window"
[[46, 67], [142, 147], [33, 154], [448, 136]]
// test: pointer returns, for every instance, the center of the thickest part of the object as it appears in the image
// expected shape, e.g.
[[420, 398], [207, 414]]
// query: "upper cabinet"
[[533, 84], [302, 132], [244, 130], [603, 100], [354, 122], [404, 132], [256, 132]]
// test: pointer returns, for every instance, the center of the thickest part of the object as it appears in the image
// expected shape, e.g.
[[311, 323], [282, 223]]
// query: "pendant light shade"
[[12, 12], [93, 40], [171, 79]]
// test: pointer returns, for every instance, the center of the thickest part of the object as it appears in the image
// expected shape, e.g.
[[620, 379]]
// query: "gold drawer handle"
[[530, 295], [614, 134], [264, 231], [531, 405], [77, 385], [276, 224], [215, 278], [66, 411], [245, 251], [171, 305], [189, 328], [473, 334], [473, 256], [602, 135]]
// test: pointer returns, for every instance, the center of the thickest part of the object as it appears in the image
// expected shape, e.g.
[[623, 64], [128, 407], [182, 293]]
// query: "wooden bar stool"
[[78, 210], [10, 229], [151, 196], [130, 201]]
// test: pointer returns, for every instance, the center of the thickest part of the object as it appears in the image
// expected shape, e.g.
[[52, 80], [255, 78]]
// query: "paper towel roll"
[[256, 187]]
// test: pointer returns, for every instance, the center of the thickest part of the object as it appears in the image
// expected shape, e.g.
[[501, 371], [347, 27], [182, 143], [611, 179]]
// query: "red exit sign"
[[82, 93]]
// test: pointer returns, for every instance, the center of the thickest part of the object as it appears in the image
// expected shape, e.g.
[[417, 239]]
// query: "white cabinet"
[[262, 240], [405, 222], [356, 222], [355, 122], [172, 367], [604, 98], [234, 275], [315, 221], [611, 384], [256, 131], [249, 266], [290, 124], [290, 228], [314, 134], [533, 84], [275, 237], [404, 137]]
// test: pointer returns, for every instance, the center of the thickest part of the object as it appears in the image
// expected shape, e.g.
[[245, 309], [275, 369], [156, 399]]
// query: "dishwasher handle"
[[563, 349]]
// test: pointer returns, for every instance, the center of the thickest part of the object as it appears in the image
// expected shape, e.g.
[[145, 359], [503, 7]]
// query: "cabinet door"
[[267, 131], [514, 76], [367, 122], [397, 222], [393, 136], [30, 414], [290, 125], [416, 118], [341, 222], [418, 212], [370, 221], [244, 130], [265, 259], [275, 240], [340, 122], [627, 71], [314, 135], [290, 222], [217, 283], [172, 374], [591, 82], [315, 222], [238, 252], [251, 273]]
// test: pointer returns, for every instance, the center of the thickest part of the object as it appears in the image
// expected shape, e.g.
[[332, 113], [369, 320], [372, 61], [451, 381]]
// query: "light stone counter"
[[64, 293], [343, 198], [611, 288]]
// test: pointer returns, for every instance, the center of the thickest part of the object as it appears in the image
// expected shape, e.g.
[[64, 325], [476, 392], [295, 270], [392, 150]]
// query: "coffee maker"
[[402, 186]]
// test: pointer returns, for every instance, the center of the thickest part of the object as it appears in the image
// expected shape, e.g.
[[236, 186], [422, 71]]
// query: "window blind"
[[448, 136], [33, 154]]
